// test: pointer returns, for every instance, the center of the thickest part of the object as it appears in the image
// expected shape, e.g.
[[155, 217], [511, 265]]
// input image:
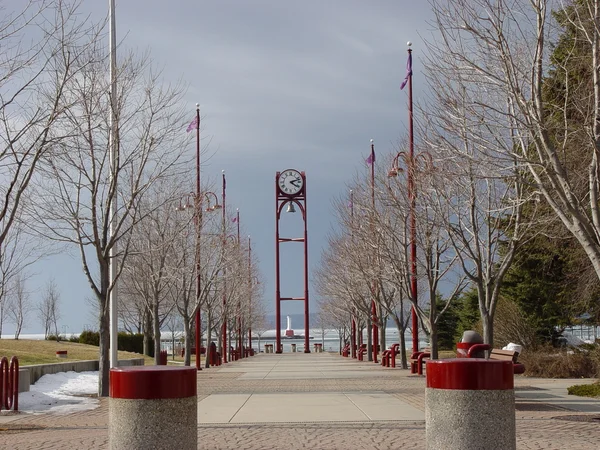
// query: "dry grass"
[[43, 352], [548, 362]]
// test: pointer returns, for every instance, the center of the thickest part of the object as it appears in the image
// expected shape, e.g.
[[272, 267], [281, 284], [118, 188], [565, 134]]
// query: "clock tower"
[[290, 190]]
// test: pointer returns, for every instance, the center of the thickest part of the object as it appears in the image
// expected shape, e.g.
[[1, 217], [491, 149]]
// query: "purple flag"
[[234, 219], [408, 71], [371, 158], [193, 124], [350, 205]]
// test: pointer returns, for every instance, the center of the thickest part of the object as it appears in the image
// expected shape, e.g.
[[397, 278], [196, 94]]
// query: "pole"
[[249, 294], [112, 266], [374, 349], [277, 275], [224, 224], [306, 313], [197, 220], [240, 342], [412, 198], [353, 325]]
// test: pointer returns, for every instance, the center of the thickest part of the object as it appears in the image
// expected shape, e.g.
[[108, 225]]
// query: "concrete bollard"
[[153, 407], [470, 404]]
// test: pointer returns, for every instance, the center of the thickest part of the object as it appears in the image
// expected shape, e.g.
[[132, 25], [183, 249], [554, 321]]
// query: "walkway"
[[320, 401]]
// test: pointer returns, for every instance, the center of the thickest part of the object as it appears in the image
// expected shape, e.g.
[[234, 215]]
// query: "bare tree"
[[18, 252], [79, 183], [498, 56], [48, 309], [42, 41], [19, 304], [153, 244]]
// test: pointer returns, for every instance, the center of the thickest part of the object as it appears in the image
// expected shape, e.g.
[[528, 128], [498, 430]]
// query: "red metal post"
[[374, 349], [197, 219], [277, 273], [306, 317], [353, 326], [249, 294], [412, 199], [224, 225]]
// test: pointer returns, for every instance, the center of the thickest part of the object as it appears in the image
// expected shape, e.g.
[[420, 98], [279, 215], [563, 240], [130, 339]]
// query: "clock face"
[[290, 182]]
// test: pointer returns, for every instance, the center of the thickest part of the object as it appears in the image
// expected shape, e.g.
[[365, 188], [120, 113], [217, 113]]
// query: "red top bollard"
[[473, 374]]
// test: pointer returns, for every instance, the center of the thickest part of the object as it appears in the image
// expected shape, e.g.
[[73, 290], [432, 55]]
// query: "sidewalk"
[[321, 401]]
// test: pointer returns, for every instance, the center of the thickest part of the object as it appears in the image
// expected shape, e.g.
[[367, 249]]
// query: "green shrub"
[[90, 338], [134, 343], [585, 390], [126, 341]]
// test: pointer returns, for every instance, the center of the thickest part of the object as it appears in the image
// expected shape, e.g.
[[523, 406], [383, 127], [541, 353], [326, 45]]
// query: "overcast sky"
[[281, 84]]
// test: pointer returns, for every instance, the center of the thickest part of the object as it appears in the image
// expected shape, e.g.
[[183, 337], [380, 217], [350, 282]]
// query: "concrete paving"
[[283, 407], [320, 401]]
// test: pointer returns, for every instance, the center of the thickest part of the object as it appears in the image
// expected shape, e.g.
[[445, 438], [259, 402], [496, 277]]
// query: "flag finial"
[[197, 105], [409, 43]]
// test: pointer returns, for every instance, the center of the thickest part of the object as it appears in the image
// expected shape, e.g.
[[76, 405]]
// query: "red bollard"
[[9, 394]]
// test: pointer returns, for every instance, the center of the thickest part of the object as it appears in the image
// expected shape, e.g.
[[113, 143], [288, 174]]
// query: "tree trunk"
[[369, 342], [156, 332], [146, 330], [208, 338], [187, 341], [433, 340], [104, 366], [488, 329]]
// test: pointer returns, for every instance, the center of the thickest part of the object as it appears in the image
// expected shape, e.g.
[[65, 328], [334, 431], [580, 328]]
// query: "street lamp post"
[[375, 345], [410, 161], [249, 293], [224, 349], [353, 325], [197, 221]]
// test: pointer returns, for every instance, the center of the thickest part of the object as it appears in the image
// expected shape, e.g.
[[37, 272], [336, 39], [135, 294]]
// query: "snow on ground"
[[61, 393]]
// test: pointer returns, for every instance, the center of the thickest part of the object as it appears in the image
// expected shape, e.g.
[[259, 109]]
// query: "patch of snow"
[[61, 393]]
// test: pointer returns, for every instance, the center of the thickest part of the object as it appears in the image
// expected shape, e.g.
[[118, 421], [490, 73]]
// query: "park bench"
[[496, 354], [417, 359], [388, 358], [346, 350]]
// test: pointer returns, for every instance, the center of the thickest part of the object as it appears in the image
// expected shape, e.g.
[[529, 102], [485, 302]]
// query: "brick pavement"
[[537, 426]]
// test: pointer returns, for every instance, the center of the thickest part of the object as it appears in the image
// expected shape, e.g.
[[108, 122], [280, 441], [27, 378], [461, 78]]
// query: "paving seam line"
[[359, 408], [238, 410]]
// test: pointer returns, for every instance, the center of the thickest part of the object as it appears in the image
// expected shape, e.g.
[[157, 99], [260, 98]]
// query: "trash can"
[[470, 404], [153, 407], [293, 348]]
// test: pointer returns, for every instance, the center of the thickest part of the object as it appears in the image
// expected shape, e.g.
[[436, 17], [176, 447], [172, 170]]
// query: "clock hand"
[[294, 182]]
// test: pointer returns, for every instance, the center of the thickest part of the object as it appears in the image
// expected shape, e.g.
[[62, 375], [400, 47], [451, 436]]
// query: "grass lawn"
[[43, 352]]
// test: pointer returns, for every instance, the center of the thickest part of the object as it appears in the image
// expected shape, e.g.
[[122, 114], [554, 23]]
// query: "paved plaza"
[[320, 401]]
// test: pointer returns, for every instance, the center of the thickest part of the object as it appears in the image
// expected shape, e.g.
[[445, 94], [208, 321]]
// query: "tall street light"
[[353, 325], [375, 344], [198, 221], [409, 160], [249, 293], [224, 349]]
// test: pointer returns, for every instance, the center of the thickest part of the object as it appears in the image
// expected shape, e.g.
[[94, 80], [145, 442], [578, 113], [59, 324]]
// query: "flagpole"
[[375, 343], [224, 350], [198, 219], [112, 266], [412, 198]]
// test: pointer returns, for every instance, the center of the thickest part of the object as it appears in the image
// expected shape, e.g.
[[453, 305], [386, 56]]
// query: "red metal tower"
[[290, 189]]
